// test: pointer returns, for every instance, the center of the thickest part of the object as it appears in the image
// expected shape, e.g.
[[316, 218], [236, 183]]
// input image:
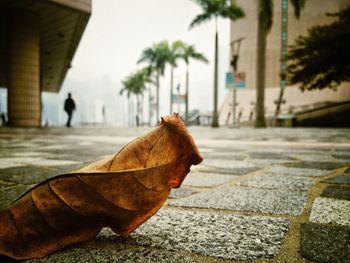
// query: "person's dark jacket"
[[69, 105]]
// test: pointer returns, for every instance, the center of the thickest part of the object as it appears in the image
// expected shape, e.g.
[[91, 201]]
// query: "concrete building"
[[314, 13], [38, 39]]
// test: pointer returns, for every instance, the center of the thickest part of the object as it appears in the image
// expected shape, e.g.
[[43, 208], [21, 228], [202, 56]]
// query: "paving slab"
[[315, 158], [342, 156], [233, 171], [262, 150], [286, 152], [266, 162], [318, 165], [330, 211], [341, 179], [107, 253], [211, 234], [338, 192], [319, 152], [30, 154], [181, 192], [207, 179], [20, 161], [55, 147], [269, 155], [297, 171], [325, 243], [224, 156], [248, 199], [228, 164], [274, 181], [7, 163], [31, 174]]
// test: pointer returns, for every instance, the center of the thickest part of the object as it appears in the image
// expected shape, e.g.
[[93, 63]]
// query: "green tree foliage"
[[322, 58], [156, 57], [136, 82]]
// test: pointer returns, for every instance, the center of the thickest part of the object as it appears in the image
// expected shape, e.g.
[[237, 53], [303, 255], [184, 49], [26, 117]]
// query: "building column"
[[23, 79]]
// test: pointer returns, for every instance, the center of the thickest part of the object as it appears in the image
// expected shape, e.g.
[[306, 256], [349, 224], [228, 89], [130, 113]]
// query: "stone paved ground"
[[271, 195]]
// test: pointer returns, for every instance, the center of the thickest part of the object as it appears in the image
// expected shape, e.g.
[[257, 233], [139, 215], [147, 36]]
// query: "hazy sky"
[[119, 30]]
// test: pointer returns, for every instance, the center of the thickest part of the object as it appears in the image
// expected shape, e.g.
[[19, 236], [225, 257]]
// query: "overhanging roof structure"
[[61, 26]]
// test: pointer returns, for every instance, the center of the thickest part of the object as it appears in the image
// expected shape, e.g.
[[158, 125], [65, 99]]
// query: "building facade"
[[38, 39], [314, 13]]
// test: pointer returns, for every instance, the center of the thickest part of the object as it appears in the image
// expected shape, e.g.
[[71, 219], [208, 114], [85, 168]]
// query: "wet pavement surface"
[[267, 195]]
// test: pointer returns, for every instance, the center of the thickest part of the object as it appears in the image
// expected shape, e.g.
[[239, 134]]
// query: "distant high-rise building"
[[38, 40]]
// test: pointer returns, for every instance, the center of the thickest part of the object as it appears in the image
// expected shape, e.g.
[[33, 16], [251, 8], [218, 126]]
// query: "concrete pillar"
[[23, 79]]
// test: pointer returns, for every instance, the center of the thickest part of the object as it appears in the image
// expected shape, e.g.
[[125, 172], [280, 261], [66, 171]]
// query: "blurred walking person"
[[69, 107]]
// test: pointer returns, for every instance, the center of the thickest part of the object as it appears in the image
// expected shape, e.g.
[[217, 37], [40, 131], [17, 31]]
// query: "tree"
[[189, 52], [322, 58], [127, 87], [156, 57], [265, 21], [174, 55], [214, 9], [135, 84]]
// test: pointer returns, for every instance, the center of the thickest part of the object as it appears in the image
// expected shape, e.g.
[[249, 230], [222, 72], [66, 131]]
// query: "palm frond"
[[266, 9], [298, 6], [175, 52], [201, 2], [231, 11], [217, 8], [189, 51], [200, 19], [200, 57], [147, 55]]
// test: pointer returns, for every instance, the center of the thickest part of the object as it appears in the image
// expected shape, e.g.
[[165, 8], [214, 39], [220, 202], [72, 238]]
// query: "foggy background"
[[116, 34]]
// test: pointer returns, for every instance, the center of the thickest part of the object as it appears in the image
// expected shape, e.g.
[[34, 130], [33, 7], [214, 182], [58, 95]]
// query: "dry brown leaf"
[[121, 192]]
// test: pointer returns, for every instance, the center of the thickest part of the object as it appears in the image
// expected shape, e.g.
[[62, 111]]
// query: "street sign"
[[178, 98], [229, 80], [235, 82]]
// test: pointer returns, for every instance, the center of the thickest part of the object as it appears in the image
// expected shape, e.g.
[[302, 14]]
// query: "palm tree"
[[214, 9], [174, 55], [265, 21], [189, 52], [127, 87], [156, 56], [135, 84]]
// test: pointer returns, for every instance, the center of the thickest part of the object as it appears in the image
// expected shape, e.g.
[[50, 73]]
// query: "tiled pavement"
[[269, 195]]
